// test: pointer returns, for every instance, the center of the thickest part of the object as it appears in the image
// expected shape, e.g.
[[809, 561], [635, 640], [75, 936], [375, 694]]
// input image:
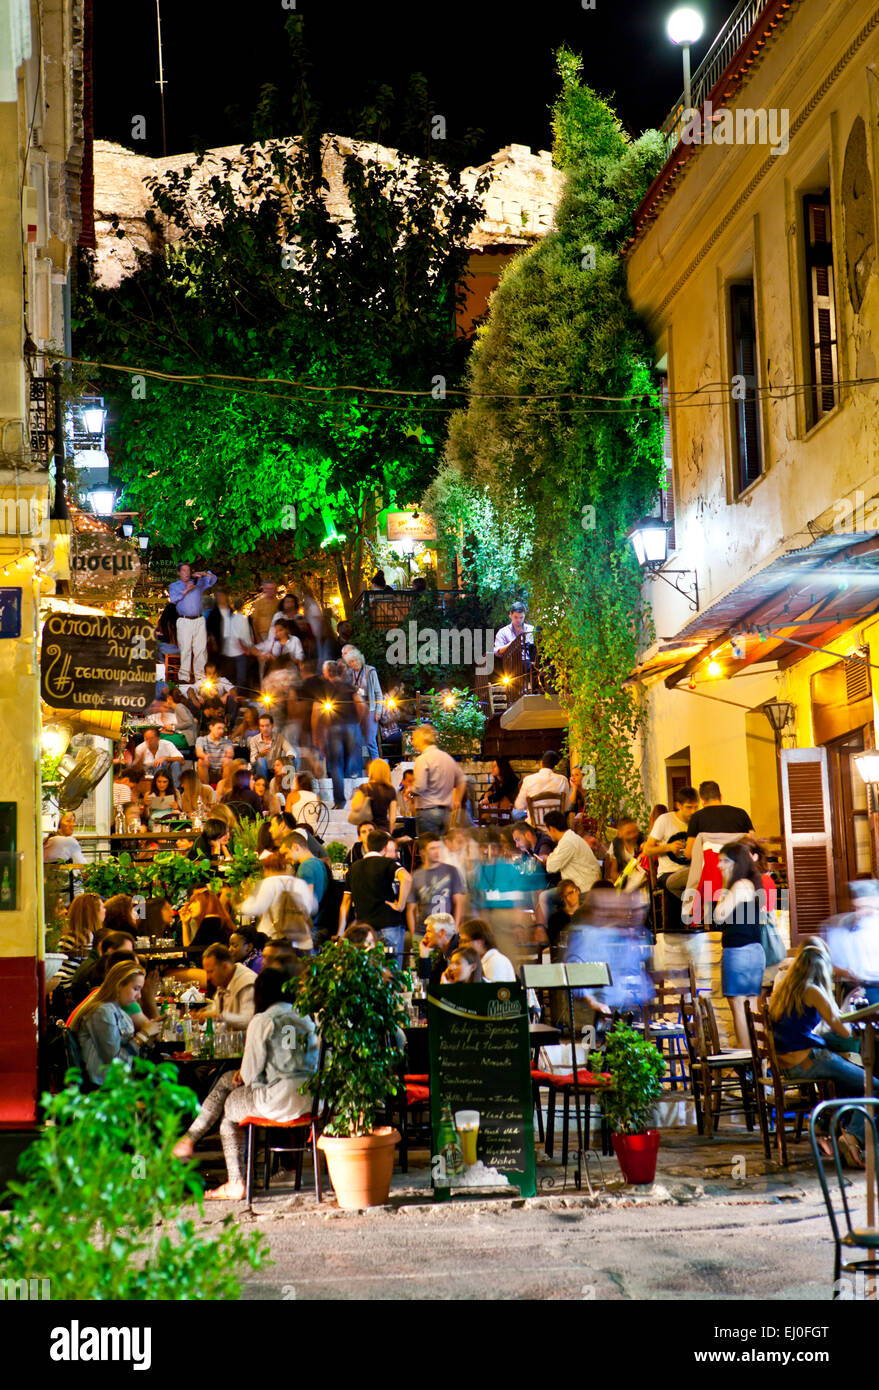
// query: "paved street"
[[701, 1233]]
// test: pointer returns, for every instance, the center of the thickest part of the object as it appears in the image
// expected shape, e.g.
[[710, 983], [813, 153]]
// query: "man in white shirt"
[[233, 1001], [496, 967], [545, 782], [156, 754], [232, 635], [572, 857], [516, 630], [669, 838]]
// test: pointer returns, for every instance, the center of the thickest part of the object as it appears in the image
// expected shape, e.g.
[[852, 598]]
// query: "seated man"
[[545, 782], [211, 749], [267, 747], [713, 817], [533, 841], [440, 939], [155, 753], [233, 1001], [572, 857]]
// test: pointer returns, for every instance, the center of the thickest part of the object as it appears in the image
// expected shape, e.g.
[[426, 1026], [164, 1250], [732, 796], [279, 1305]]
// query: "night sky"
[[488, 66]]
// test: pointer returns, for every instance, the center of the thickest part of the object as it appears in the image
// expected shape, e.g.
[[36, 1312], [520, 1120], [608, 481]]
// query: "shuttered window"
[[805, 787], [667, 495], [749, 452], [821, 305]]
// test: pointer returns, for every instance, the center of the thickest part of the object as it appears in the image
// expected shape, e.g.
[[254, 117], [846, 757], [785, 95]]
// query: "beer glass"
[[467, 1125]]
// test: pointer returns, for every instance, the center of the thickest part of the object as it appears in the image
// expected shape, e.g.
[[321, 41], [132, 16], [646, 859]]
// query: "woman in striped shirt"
[[85, 915]]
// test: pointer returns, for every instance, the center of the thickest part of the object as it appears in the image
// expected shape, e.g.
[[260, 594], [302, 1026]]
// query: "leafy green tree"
[[563, 432], [260, 278], [98, 1210]]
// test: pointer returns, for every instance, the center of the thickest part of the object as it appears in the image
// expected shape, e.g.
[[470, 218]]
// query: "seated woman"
[[102, 1027], [247, 726], [464, 967], [246, 944], [196, 797], [260, 788], [242, 798], [162, 799], [84, 917], [302, 797], [805, 996], [283, 777], [280, 1054], [503, 788], [204, 920]]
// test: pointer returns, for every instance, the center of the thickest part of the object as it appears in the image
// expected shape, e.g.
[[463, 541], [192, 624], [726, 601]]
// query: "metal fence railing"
[[709, 72]]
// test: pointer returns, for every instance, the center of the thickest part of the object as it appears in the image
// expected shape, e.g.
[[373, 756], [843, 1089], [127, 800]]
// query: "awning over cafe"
[[796, 604]]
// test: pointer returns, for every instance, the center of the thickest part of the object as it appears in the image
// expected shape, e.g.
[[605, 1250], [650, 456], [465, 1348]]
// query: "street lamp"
[[143, 541], [780, 713], [650, 543], [103, 500], [128, 529], [93, 417], [684, 27]]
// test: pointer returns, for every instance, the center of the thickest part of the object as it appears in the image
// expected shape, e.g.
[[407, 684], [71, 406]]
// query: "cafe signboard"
[[481, 1105], [89, 661], [103, 565], [403, 526]]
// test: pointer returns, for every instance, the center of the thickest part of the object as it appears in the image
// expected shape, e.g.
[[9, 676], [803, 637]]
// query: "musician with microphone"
[[516, 636]]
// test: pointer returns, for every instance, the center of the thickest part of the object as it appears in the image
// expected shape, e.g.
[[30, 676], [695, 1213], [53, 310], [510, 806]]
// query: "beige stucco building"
[[754, 265]]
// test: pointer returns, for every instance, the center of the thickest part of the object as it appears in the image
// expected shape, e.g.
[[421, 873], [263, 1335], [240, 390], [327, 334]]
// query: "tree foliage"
[[260, 277], [564, 417]]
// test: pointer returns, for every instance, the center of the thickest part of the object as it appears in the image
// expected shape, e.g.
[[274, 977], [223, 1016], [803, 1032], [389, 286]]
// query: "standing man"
[[186, 593], [378, 887], [264, 609], [517, 633], [370, 700], [436, 887], [231, 638], [438, 784]]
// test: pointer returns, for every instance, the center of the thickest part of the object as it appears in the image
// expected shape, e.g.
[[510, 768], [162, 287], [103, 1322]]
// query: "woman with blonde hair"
[[102, 1027], [382, 796], [196, 797], [223, 811], [805, 997], [84, 917]]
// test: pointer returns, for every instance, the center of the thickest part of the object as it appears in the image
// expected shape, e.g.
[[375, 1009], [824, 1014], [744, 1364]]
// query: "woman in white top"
[[496, 967], [301, 798], [62, 846], [278, 880]]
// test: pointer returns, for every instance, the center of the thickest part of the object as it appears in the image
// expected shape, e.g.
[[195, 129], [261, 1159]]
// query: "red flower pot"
[[637, 1155]]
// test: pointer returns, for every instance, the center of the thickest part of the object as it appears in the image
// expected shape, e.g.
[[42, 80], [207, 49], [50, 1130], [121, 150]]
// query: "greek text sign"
[[88, 661]]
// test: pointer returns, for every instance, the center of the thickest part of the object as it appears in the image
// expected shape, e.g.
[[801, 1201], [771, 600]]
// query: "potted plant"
[[353, 996], [635, 1066], [107, 877]]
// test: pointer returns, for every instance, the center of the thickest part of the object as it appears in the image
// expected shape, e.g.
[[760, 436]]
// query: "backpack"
[[284, 915]]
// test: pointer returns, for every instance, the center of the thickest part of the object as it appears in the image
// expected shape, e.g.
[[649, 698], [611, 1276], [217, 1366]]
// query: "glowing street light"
[[103, 500], [685, 27]]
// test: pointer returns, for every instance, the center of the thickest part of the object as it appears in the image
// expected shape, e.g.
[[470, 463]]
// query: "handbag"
[[771, 940], [363, 814]]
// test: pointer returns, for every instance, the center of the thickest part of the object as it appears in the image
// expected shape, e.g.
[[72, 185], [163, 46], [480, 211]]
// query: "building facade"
[[754, 265]]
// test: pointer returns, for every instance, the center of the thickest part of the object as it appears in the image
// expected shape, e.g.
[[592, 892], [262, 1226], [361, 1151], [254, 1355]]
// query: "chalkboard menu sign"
[[88, 661], [480, 1088]]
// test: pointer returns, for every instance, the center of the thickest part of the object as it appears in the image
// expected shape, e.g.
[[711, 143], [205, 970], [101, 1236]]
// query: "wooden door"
[[808, 833], [852, 847]]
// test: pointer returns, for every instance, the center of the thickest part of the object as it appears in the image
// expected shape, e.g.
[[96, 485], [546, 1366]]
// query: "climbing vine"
[[563, 434]]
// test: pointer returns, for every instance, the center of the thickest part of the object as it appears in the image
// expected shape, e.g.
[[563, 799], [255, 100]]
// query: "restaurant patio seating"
[[777, 1099], [716, 1092], [539, 805], [579, 1081], [853, 1237], [662, 1024]]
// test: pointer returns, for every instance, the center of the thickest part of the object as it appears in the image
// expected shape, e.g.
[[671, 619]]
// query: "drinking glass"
[[467, 1125]]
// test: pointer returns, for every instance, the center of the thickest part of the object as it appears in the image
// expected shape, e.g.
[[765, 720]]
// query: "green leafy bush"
[[97, 1211], [636, 1068], [457, 718], [108, 877], [336, 852], [358, 1011]]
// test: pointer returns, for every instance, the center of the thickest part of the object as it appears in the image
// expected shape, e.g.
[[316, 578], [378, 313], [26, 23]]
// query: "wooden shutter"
[[744, 334], [805, 790], [822, 305]]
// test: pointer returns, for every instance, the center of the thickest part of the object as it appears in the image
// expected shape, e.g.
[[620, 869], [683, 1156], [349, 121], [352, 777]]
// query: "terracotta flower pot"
[[361, 1167], [637, 1155]]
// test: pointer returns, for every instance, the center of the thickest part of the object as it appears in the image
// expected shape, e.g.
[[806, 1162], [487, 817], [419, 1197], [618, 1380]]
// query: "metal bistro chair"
[[310, 1125], [316, 816], [661, 1021], [579, 1081], [854, 1237]]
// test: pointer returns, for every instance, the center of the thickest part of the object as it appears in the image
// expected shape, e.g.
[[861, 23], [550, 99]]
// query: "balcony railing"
[[709, 72]]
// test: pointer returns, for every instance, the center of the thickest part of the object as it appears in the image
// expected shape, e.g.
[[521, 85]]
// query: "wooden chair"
[[776, 1097], [662, 1022], [709, 1072], [855, 1236], [539, 805], [579, 1081]]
